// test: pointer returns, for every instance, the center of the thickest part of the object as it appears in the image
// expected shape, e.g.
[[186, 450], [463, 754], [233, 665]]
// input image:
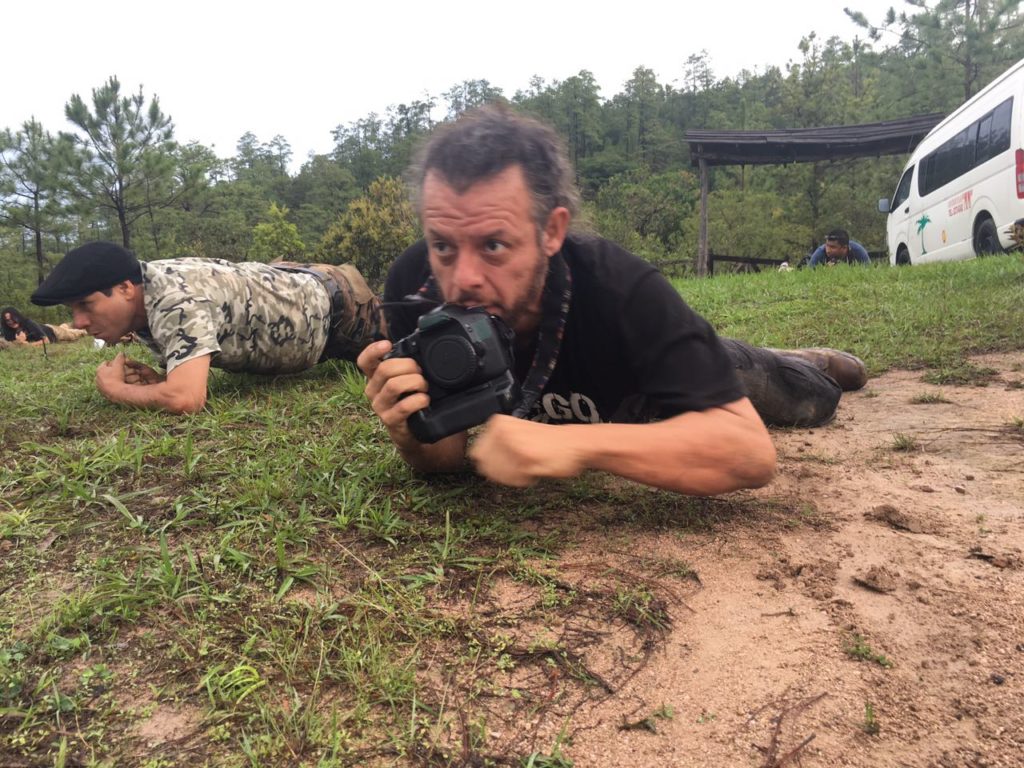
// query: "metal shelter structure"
[[798, 145]]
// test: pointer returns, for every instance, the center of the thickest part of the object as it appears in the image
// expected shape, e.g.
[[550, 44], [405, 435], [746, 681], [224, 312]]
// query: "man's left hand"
[[516, 452], [110, 375], [140, 373]]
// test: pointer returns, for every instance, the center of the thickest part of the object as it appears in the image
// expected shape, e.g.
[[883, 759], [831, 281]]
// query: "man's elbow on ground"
[[185, 403], [758, 467]]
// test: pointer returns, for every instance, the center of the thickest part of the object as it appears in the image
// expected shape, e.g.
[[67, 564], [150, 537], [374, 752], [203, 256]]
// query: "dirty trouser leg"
[[360, 321], [356, 316], [65, 332], [786, 391]]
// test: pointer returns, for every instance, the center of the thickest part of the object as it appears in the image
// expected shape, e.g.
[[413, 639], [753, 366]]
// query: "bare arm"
[[699, 453], [396, 390], [182, 391], [22, 338]]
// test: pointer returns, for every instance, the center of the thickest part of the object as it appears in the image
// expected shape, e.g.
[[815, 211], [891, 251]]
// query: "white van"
[[964, 185]]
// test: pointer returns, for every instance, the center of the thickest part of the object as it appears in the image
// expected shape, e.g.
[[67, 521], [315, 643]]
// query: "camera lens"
[[450, 361]]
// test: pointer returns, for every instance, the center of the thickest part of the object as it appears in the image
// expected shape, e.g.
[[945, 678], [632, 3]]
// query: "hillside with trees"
[[115, 171]]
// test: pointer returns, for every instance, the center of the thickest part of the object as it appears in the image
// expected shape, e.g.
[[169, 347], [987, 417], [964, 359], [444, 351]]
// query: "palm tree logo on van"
[[921, 223]]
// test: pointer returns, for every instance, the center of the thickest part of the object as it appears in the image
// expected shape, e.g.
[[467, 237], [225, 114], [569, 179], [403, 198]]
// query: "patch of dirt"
[[168, 724], [893, 635]]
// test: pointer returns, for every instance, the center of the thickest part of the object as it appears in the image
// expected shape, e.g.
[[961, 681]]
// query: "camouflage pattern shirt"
[[248, 317]]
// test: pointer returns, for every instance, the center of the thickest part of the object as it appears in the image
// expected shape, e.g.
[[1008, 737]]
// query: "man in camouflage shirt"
[[198, 313]]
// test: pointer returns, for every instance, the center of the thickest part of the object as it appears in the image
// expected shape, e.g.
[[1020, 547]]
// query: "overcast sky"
[[301, 67]]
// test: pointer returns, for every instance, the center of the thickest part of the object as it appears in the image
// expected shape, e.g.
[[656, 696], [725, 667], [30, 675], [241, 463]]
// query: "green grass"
[[858, 648], [960, 374], [270, 575], [924, 316], [269, 571], [904, 443], [870, 725], [929, 398]]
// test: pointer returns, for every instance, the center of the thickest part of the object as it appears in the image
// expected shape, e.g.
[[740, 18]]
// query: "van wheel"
[[986, 239], [902, 256]]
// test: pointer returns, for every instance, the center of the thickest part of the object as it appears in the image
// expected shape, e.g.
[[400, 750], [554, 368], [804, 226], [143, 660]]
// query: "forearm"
[[162, 396], [729, 462], [700, 454], [131, 383], [447, 455]]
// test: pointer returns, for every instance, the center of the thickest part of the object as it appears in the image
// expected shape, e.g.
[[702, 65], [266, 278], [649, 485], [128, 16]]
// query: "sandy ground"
[[866, 608], [912, 556]]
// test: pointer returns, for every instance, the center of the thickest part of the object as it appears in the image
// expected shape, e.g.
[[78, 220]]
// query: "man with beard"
[[628, 379]]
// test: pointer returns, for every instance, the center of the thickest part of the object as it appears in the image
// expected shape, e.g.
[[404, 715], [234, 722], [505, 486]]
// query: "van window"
[[952, 159], [902, 190], [994, 132], [982, 140]]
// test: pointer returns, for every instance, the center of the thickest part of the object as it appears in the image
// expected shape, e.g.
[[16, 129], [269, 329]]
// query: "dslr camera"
[[466, 357]]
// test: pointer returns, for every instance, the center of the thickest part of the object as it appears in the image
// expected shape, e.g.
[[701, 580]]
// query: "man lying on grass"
[[628, 379], [17, 329], [198, 313]]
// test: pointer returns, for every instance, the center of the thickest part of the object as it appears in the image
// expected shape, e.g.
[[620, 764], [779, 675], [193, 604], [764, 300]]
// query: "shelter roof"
[[802, 145]]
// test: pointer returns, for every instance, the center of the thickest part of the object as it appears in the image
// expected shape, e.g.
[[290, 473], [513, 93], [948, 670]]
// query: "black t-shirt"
[[632, 351]]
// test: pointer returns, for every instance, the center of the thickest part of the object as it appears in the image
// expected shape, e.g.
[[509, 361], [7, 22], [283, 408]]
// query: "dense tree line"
[[118, 173]]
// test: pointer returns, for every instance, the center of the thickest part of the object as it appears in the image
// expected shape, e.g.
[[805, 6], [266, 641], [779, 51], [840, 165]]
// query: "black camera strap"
[[554, 309]]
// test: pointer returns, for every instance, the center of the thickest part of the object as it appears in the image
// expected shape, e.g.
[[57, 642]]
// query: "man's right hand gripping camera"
[[466, 357]]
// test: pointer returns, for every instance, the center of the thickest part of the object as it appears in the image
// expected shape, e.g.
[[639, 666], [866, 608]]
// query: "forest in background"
[[117, 172]]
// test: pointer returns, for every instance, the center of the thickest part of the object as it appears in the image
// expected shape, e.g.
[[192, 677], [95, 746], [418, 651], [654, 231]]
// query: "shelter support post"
[[702, 246]]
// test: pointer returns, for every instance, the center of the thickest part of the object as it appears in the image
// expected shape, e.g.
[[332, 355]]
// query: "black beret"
[[89, 268]]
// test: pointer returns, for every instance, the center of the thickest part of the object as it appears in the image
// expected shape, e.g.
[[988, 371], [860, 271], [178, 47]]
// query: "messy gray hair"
[[484, 142]]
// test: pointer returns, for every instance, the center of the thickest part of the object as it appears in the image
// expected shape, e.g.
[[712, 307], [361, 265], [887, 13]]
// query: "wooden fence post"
[[702, 247]]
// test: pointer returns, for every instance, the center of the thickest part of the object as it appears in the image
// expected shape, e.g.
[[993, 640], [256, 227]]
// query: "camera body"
[[466, 357]]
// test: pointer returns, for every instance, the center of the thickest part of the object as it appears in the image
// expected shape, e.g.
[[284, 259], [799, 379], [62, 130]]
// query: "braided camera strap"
[[555, 303]]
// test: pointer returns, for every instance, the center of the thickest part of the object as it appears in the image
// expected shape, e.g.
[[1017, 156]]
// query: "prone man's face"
[[484, 248], [106, 317], [835, 251]]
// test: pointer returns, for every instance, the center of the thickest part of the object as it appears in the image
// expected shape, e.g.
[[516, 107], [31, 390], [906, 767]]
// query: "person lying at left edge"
[[197, 313], [15, 328], [639, 384]]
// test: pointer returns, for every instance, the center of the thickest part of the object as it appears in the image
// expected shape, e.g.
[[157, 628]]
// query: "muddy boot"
[[785, 390], [848, 370]]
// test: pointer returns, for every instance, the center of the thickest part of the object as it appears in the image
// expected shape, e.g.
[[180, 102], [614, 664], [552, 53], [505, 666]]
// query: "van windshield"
[[902, 189]]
